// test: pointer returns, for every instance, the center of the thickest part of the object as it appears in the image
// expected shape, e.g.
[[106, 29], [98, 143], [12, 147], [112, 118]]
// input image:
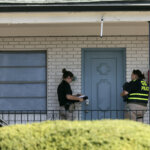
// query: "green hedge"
[[77, 135]]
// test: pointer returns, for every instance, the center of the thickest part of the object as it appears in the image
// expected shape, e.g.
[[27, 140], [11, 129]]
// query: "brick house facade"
[[64, 49], [66, 52]]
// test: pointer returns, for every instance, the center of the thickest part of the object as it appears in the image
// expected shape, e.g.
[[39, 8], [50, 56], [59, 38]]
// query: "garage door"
[[23, 80]]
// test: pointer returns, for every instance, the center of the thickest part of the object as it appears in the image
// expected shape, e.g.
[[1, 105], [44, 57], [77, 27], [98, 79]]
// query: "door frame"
[[84, 50]]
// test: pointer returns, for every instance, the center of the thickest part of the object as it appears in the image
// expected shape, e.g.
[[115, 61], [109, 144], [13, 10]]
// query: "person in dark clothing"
[[66, 99], [138, 93], [125, 88]]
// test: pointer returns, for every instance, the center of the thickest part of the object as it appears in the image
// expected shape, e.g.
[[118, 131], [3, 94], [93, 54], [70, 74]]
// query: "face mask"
[[74, 78]]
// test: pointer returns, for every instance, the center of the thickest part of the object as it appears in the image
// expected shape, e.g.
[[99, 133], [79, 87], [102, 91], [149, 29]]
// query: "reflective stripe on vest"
[[135, 98], [138, 96]]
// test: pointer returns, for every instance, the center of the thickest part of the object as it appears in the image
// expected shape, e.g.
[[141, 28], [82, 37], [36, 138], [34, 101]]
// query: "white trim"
[[72, 17]]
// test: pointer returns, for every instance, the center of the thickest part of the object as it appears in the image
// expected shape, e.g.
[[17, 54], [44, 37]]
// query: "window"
[[23, 80]]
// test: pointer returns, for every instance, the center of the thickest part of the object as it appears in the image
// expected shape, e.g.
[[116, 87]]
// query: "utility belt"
[[67, 106], [70, 106], [139, 103]]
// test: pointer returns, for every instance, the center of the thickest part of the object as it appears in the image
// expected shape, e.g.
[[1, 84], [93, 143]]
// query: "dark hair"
[[67, 74], [139, 74]]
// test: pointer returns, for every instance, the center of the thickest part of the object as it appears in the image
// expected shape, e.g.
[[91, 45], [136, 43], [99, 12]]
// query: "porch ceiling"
[[74, 29]]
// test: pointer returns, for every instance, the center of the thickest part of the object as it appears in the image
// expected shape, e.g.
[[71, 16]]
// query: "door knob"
[[87, 102]]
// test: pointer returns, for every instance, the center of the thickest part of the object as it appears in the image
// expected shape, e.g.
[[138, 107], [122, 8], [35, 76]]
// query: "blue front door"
[[103, 77]]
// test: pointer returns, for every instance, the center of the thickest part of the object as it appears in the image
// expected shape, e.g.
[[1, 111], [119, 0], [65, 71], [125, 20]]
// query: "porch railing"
[[23, 117]]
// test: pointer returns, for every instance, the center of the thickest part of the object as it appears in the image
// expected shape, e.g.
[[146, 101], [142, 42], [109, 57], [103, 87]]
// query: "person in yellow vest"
[[138, 93]]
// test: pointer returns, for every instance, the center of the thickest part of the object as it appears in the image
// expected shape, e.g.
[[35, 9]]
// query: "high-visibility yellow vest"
[[141, 95]]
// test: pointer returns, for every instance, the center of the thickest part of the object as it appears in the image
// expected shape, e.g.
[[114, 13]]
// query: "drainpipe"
[[149, 67]]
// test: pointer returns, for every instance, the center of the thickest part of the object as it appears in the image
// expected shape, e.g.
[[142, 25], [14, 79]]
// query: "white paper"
[[81, 96]]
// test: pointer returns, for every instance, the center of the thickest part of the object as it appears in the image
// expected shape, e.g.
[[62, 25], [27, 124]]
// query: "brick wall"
[[65, 52]]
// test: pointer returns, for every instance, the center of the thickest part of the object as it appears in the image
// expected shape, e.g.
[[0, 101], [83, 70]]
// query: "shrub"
[[77, 135]]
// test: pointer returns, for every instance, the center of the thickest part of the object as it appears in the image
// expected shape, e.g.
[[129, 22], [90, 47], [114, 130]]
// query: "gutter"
[[73, 7]]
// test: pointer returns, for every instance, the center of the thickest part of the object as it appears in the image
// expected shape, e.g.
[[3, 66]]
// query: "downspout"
[[149, 68]]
